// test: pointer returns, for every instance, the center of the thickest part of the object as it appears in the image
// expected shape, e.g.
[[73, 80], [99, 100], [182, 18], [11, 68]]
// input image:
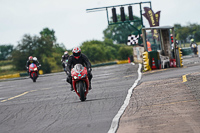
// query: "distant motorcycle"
[[80, 81], [194, 48], [33, 71], [65, 64]]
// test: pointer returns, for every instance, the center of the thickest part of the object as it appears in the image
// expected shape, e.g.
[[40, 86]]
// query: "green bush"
[[124, 52]]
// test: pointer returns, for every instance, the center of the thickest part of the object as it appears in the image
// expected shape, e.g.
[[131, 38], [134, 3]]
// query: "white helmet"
[[35, 58], [66, 53]]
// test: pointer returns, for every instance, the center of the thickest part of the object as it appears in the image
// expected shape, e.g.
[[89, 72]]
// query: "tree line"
[[190, 30], [45, 47], [49, 52]]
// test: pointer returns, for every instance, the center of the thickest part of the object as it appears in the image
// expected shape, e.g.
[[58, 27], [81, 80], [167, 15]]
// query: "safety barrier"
[[104, 64], [122, 62], [111, 63], [17, 75], [10, 76], [186, 51], [41, 72]]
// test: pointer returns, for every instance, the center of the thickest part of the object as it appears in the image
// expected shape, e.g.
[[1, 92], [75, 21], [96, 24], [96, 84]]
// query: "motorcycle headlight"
[[35, 69], [75, 77]]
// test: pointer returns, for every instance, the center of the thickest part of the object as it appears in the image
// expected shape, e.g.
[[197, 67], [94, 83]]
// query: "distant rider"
[[193, 46], [64, 58], [30, 60], [78, 58]]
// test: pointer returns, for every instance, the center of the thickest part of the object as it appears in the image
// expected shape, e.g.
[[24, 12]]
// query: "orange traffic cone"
[[153, 64], [129, 61]]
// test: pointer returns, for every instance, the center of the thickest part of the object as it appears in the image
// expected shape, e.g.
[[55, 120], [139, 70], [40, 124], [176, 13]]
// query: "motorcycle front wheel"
[[81, 91], [34, 77]]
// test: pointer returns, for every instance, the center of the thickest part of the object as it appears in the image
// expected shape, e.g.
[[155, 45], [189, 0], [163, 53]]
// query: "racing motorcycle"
[[80, 81], [194, 48], [65, 64], [33, 71]]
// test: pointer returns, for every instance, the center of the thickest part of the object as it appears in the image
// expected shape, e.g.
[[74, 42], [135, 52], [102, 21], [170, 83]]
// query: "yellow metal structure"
[[122, 61], [146, 61], [180, 57]]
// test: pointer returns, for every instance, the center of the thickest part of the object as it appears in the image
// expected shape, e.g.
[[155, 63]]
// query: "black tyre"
[[81, 91], [34, 77]]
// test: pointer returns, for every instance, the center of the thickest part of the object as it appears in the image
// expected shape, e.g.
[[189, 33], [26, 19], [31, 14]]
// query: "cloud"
[[72, 24]]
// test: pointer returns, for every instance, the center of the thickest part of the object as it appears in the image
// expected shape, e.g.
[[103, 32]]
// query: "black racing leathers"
[[35, 62], [72, 61], [63, 60]]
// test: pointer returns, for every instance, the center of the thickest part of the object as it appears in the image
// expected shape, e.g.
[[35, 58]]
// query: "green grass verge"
[[11, 71], [5, 63], [7, 67]]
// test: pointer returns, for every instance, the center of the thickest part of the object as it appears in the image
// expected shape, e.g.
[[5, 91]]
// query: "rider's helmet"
[[35, 58], [66, 53], [192, 40], [30, 58], [76, 52]]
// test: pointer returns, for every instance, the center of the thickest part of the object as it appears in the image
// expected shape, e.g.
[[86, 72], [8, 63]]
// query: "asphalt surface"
[[163, 103], [160, 103], [48, 106]]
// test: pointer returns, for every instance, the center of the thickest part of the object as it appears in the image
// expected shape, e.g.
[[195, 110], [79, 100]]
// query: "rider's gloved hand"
[[89, 70]]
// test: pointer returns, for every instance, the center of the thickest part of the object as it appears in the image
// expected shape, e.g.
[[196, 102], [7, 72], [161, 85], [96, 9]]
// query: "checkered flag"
[[132, 39]]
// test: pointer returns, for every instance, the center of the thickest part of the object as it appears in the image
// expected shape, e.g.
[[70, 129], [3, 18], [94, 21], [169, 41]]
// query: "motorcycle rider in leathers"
[[64, 58], [193, 46], [78, 58], [30, 60]]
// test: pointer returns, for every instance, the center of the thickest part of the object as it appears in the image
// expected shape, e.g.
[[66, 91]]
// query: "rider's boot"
[[71, 87], [90, 87]]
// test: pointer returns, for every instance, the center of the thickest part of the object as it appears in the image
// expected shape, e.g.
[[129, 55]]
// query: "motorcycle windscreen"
[[78, 68], [32, 66]]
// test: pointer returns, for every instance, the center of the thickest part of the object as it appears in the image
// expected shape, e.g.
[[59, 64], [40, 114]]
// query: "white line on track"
[[115, 121]]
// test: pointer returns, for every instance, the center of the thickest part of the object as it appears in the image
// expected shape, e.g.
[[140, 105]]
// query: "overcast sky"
[[73, 25]]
